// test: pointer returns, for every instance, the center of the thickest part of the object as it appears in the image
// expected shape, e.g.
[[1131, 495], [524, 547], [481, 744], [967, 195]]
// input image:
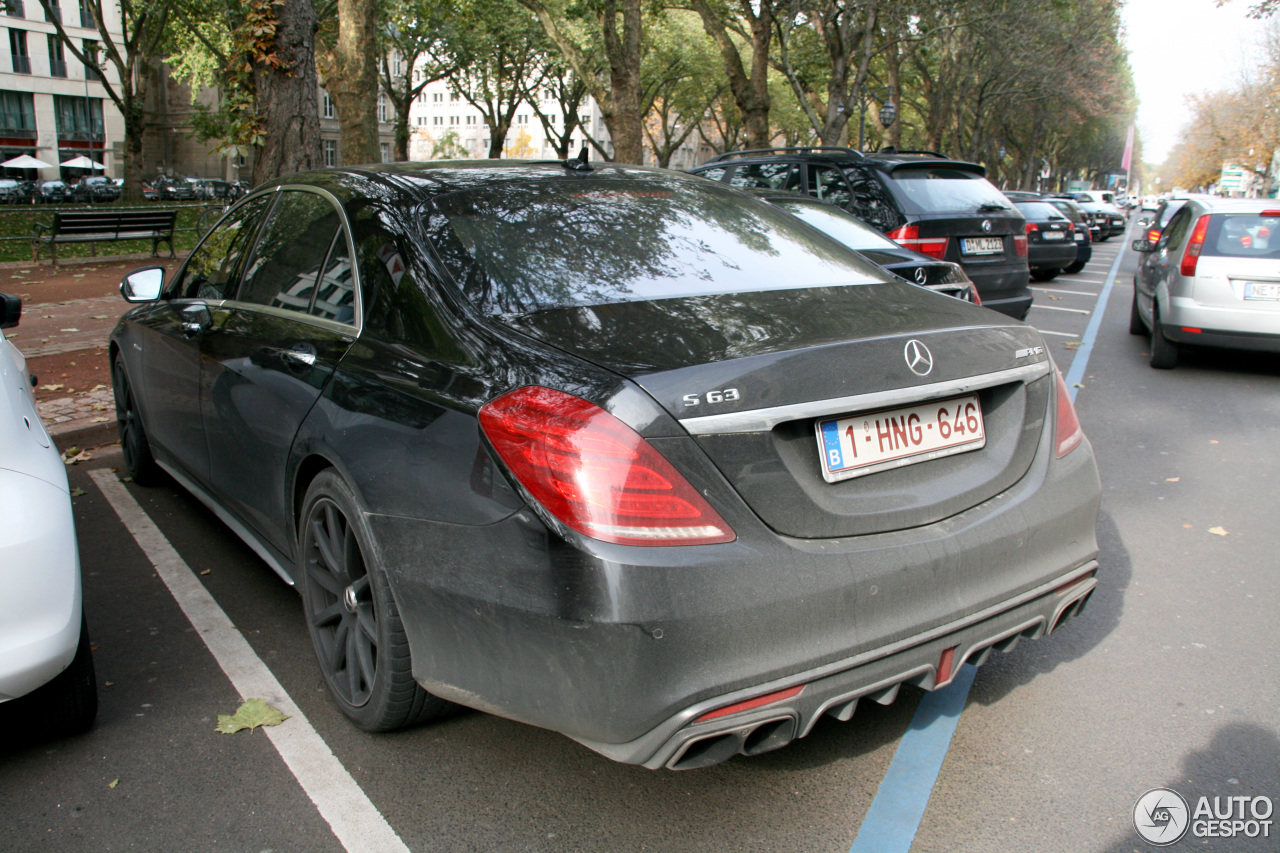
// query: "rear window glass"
[[845, 227], [940, 189], [556, 243], [1243, 235], [1039, 211], [1073, 213]]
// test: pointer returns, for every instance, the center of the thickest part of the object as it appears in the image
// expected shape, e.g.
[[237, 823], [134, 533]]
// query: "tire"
[[1136, 326], [1074, 268], [352, 617], [1164, 352], [68, 704], [206, 220], [1045, 274], [138, 460]]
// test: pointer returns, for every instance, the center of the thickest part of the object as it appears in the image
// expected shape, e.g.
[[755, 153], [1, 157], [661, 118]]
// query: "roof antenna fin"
[[580, 164]]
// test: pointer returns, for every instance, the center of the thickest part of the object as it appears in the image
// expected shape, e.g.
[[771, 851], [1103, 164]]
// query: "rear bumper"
[[623, 648], [1051, 254], [1221, 326], [1004, 287], [39, 584]]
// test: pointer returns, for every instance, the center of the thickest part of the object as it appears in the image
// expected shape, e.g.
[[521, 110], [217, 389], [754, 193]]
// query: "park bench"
[[91, 226]]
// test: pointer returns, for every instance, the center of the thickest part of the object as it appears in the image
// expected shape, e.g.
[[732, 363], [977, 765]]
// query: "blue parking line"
[[894, 817]]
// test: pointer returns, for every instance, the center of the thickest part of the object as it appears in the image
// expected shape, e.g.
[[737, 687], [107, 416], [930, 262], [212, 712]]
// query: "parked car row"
[[622, 453], [94, 188], [189, 189]]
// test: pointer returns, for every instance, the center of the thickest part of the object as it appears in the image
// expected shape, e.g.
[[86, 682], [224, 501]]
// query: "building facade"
[[52, 106]]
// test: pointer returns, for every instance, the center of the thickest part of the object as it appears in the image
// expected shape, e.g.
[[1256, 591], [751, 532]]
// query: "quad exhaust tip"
[[755, 739]]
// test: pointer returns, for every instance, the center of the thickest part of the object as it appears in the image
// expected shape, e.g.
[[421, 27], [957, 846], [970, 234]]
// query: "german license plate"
[[1264, 292], [982, 245], [1053, 235], [863, 444]]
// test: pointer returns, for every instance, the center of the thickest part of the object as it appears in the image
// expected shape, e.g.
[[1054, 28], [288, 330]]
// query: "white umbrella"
[[26, 161], [83, 162]]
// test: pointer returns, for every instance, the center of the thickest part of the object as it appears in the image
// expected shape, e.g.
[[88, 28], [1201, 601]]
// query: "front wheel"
[[1136, 326], [133, 437], [1164, 352], [355, 626]]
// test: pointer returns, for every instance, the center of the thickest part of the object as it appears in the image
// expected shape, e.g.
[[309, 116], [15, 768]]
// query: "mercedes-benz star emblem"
[[921, 276], [986, 225], [919, 359]]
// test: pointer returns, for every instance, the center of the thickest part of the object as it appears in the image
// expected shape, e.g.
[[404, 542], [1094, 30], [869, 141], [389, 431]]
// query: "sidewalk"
[[67, 317]]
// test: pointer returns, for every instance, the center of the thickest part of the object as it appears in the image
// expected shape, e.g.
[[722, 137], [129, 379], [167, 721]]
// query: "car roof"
[[886, 159], [1215, 204]]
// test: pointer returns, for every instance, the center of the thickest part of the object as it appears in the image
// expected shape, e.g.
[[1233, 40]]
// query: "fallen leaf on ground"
[[11, 334], [82, 456], [1077, 385], [1055, 297], [1218, 531], [130, 480], [101, 420], [77, 492], [99, 408], [98, 388], [1213, 441], [1172, 479], [113, 783], [1073, 344], [51, 387], [250, 715], [69, 452], [99, 317], [68, 330], [1187, 526], [206, 571]]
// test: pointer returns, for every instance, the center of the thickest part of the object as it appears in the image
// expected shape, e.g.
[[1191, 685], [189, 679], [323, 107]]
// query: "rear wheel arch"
[[308, 469]]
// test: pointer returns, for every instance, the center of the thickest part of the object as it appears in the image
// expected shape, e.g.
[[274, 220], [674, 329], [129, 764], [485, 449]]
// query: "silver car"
[[1212, 279]]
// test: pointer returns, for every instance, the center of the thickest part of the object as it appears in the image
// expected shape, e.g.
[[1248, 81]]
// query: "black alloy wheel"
[[134, 445], [1073, 268], [1045, 273], [355, 626]]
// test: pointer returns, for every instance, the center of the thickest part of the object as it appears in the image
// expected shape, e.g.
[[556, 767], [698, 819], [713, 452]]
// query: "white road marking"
[[1056, 308], [1072, 292], [354, 819], [1059, 334]]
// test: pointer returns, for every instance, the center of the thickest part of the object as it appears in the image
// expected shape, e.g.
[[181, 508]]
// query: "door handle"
[[303, 354]]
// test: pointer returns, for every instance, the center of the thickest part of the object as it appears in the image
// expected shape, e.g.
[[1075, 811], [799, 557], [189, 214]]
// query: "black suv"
[[940, 207]]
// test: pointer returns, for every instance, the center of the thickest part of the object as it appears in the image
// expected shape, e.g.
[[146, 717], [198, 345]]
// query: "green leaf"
[[113, 783], [77, 492], [250, 715]]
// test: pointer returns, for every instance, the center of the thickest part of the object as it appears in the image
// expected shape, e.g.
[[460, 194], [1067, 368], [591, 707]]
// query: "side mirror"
[[10, 310], [144, 285], [1143, 246]]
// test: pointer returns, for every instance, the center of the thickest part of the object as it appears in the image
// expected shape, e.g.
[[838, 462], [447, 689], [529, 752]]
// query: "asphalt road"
[[1169, 678]]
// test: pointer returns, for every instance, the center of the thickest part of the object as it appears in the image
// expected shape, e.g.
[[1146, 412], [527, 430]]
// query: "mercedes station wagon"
[[613, 451]]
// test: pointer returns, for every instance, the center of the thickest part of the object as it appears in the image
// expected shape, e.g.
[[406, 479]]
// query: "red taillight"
[[1192, 254], [908, 236], [1020, 245], [1270, 213], [1069, 435], [973, 292], [596, 474], [1031, 226], [758, 702]]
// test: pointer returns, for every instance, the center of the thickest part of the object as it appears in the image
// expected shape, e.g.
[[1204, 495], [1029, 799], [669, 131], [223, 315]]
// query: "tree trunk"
[[498, 131], [354, 88], [401, 152], [287, 97]]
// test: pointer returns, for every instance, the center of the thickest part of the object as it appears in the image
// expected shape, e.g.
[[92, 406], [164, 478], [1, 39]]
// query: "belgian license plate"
[[863, 444], [1262, 291], [982, 245], [1053, 235]]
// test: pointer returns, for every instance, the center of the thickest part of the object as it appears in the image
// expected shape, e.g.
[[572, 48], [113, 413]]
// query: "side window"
[[715, 173], [214, 268], [826, 183], [290, 252], [336, 294], [871, 200], [767, 176], [1172, 237]]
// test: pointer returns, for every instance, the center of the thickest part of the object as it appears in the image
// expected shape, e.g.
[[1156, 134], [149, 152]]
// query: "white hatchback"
[[44, 646], [1212, 279]]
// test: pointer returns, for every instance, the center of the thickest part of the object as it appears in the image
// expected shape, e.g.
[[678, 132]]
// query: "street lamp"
[[888, 112]]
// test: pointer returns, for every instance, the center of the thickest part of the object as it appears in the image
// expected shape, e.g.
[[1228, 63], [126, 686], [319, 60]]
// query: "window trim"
[[353, 330]]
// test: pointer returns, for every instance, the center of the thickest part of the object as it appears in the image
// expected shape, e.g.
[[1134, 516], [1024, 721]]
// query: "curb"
[[85, 437]]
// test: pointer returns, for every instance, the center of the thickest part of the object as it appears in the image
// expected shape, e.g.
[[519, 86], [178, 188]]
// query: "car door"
[[168, 335], [1164, 260], [828, 184], [294, 317]]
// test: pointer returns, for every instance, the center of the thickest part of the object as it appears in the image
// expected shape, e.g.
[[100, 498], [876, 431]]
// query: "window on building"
[[18, 49], [53, 13], [71, 119], [90, 48], [454, 96], [395, 67], [17, 114], [522, 119], [584, 119], [437, 97], [384, 149], [384, 114], [471, 119], [453, 119], [326, 105], [57, 57], [13, 8], [330, 149], [437, 120]]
